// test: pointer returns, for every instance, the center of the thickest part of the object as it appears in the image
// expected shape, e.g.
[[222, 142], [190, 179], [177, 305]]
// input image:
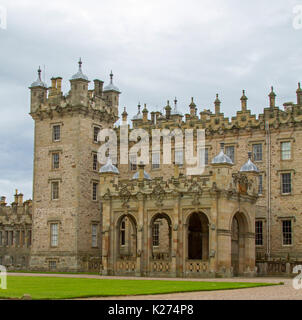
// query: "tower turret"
[[79, 87], [38, 93], [111, 95]]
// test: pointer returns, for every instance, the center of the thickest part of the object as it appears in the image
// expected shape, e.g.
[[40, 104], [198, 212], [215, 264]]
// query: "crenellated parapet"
[[217, 124], [100, 103]]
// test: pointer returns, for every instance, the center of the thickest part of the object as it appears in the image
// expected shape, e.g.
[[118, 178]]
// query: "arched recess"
[[239, 228], [161, 237], [198, 236], [126, 237]]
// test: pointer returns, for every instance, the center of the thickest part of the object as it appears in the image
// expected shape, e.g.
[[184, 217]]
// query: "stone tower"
[[66, 226]]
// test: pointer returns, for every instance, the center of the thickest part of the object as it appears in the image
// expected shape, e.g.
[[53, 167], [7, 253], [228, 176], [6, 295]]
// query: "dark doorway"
[[198, 237]]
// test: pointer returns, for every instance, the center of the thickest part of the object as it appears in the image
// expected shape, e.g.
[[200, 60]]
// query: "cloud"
[[156, 49]]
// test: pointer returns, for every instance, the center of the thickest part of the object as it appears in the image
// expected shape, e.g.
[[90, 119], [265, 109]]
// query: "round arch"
[[126, 236], [160, 228], [197, 236]]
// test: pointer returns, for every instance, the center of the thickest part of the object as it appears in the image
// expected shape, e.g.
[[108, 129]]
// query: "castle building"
[[154, 219]]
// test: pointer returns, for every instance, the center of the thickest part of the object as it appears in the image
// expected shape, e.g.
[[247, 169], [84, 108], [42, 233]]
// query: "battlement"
[[98, 102], [217, 123], [17, 207]]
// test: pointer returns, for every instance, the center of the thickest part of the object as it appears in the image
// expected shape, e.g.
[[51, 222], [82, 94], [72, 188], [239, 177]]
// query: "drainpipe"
[[268, 179]]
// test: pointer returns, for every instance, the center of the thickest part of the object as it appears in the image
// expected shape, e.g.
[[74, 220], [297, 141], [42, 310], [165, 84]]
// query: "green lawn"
[[62, 288]]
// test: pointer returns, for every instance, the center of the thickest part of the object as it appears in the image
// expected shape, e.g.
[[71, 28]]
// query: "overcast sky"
[[157, 49]]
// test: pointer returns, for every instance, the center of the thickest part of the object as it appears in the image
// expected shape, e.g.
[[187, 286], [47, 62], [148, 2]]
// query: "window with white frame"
[[259, 232], [257, 152], [56, 133], [95, 162], [54, 234], [55, 160], [286, 183], [260, 184], [94, 191], [96, 131], [285, 150], [155, 160], [287, 232], [123, 232], [52, 264], [94, 232], [55, 190], [230, 152], [155, 234]]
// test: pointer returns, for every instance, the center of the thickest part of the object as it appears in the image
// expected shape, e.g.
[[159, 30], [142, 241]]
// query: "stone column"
[[142, 226], [213, 250]]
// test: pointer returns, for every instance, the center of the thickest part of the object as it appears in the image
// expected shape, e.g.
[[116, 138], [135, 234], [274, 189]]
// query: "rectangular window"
[[95, 162], [54, 234], [260, 184], [55, 190], [230, 152], [259, 233], [179, 157], [96, 131], [285, 150], [94, 191], [286, 183], [94, 231], [287, 232], [257, 152], [52, 265], [1, 238], [55, 160], [56, 133], [133, 164], [155, 160], [123, 233], [155, 235]]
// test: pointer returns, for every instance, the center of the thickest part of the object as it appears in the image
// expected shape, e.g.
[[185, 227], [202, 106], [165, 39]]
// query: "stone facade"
[[15, 232], [69, 201]]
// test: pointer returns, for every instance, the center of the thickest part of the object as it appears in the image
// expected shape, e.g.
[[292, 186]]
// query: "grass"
[[51, 272], [64, 288]]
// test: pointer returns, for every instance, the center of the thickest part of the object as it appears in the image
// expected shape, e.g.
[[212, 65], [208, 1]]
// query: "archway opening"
[[198, 236], [238, 245], [161, 237], [127, 237]]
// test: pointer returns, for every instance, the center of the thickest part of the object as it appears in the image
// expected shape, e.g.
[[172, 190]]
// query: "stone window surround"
[[94, 126], [280, 172], [50, 153], [93, 182], [263, 219], [51, 180], [291, 141], [52, 124], [50, 223], [292, 219]]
